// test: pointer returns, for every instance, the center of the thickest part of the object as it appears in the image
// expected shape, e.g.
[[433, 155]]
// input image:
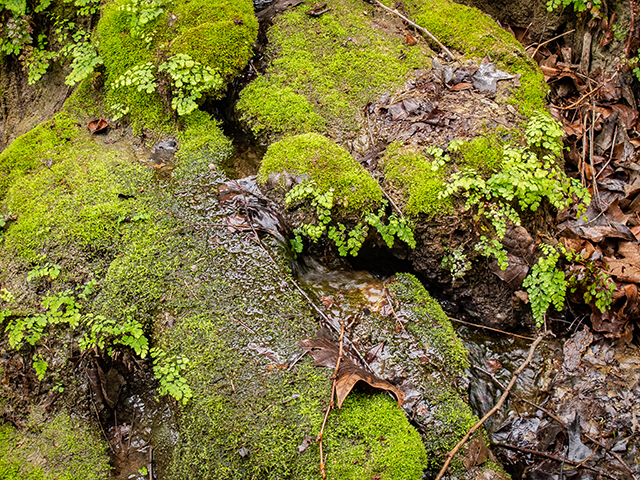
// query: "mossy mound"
[[417, 181], [324, 70], [158, 252], [216, 34], [60, 448], [476, 35], [327, 165]]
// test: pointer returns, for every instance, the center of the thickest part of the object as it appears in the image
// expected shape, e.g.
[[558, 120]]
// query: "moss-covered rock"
[[476, 35], [319, 160], [417, 181], [216, 34], [57, 448], [324, 70]]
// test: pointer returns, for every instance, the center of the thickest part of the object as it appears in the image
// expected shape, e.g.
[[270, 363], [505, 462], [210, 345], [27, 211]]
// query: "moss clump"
[[413, 176], [383, 438], [473, 33], [218, 34], [338, 62], [326, 164], [61, 448], [431, 325], [46, 143], [483, 153]]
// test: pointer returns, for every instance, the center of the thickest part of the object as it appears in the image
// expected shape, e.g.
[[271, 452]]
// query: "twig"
[[551, 40], [415, 25], [593, 168], [190, 290], [491, 328], [100, 423], [333, 392], [588, 94], [495, 408], [554, 457]]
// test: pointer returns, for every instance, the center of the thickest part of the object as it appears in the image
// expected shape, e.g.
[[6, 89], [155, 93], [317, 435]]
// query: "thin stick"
[[190, 290], [588, 94], [100, 423], [333, 392], [495, 408], [554, 457], [492, 329], [415, 25], [593, 168], [551, 40]]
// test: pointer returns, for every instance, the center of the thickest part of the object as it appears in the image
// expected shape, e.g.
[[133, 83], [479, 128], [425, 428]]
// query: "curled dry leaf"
[[97, 126], [325, 354]]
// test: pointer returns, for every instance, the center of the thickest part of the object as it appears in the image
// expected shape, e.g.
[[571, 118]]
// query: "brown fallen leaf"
[[327, 301], [461, 86], [325, 354], [409, 40], [97, 126]]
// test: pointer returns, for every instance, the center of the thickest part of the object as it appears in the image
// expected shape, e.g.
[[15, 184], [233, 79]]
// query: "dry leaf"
[[97, 126], [325, 354], [409, 40]]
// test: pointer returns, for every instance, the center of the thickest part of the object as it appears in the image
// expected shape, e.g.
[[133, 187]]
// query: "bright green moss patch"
[[414, 177], [483, 153], [277, 109], [31, 151], [431, 324], [58, 449], [338, 62], [219, 34], [326, 164], [473, 33], [383, 438]]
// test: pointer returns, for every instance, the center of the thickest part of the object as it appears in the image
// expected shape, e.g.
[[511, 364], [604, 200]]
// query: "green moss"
[[27, 153], [217, 33], [473, 33], [326, 164], [383, 439], [61, 448], [276, 109], [411, 174], [338, 62], [483, 153], [431, 325]]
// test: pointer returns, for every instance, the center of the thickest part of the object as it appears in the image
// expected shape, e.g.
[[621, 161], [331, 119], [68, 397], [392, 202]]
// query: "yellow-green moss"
[[338, 62], [473, 33], [61, 448], [326, 164], [217, 33], [28, 153], [411, 174], [483, 153]]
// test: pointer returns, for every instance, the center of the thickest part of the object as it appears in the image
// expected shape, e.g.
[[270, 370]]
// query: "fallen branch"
[[333, 394], [418, 27], [495, 408]]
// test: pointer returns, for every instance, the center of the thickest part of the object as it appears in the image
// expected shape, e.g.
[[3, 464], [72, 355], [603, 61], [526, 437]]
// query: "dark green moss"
[[60, 448], [338, 62], [326, 164], [476, 35], [409, 173]]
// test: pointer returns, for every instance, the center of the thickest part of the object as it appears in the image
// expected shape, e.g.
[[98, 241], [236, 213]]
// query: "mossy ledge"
[[323, 71]]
